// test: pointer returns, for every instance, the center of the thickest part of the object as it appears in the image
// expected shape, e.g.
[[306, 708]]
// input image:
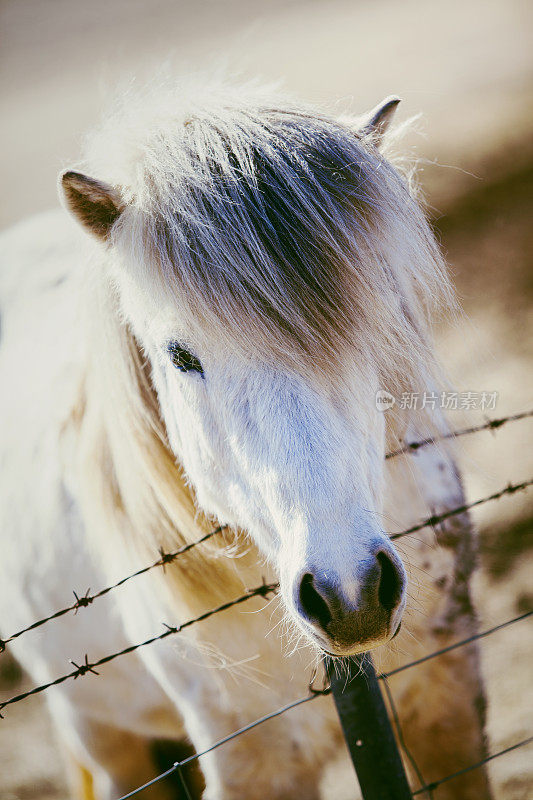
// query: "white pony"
[[258, 271]]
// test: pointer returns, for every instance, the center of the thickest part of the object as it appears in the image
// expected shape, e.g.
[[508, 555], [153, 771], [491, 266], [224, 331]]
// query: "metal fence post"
[[367, 730]]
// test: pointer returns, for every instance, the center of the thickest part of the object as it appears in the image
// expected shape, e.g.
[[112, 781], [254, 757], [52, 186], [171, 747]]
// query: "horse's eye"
[[183, 360]]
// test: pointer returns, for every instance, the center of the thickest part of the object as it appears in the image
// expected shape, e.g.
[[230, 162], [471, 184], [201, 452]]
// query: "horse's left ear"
[[379, 119], [96, 205]]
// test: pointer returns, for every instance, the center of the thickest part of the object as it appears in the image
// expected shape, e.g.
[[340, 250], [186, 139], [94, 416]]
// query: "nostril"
[[390, 583], [312, 603]]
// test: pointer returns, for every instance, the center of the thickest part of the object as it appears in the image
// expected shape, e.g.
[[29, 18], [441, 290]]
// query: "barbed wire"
[[82, 669], [263, 591], [490, 424], [167, 558], [260, 591], [436, 519], [84, 600], [427, 788]]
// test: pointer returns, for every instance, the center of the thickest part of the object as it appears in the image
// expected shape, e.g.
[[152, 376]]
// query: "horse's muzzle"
[[344, 623]]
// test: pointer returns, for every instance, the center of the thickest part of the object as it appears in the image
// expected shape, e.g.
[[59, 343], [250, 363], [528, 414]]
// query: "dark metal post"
[[367, 730]]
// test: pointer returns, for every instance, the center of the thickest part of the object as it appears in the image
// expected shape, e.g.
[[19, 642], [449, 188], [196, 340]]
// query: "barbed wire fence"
[[360, 687]]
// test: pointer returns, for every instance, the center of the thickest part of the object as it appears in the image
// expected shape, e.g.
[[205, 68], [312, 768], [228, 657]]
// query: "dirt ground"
[[468, 68]]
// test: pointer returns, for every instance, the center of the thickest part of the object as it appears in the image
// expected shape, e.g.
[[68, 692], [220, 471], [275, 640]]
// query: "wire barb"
[[166, 558], [83, 668], [171, 628], [83, 601]]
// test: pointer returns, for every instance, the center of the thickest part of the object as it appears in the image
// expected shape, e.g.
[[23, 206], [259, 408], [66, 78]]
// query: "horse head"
[[275, 270]]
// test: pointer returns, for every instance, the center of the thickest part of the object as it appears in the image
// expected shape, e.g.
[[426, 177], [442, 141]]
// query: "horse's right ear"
[[96, 205], [379, 119]]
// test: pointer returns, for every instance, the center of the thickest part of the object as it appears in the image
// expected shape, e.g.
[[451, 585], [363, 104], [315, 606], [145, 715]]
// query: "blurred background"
[[467, 68]]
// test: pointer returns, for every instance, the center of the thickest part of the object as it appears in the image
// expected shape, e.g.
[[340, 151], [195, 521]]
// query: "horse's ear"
[[379, 119], [95, 204]]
